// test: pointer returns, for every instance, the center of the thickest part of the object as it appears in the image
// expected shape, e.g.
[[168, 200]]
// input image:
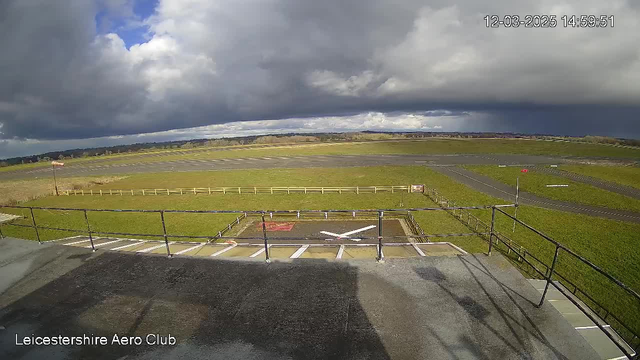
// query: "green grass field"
[[577, 192], [428, 146], [623, 175], [607, 243]]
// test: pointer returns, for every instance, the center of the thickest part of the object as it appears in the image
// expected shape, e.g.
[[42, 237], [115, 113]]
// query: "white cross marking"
[[346, 235]]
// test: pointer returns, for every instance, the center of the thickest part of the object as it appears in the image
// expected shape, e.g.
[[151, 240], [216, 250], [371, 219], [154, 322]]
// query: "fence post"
[[239, 191], [255, 190], [266, 244], [86, 219], [164, 231], [493, 222], [549, 279], [100, 192], [209, 191], [131, 192], [35, 227], [357, 190], [380, 215]]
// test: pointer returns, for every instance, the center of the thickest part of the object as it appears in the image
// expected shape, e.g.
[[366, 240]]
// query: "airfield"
[[350, 261]]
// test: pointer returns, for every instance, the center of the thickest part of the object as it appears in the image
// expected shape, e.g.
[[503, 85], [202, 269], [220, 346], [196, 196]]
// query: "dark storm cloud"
[[62, 76]]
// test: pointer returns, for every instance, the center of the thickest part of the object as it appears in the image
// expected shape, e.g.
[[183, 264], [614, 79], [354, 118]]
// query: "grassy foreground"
[[577, 192]]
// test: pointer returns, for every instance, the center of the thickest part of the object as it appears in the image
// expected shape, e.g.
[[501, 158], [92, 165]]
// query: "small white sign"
[[502, 165], [555, 166]]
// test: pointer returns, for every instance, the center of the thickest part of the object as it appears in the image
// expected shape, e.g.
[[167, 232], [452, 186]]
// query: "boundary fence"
[[247, 190], [547, 272], [538, 268]]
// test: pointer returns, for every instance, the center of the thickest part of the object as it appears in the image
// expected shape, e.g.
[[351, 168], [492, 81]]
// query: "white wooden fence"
[[247, 190]]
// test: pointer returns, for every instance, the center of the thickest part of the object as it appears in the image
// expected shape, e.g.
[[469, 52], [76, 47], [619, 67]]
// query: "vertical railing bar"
[[549, 279], [86, 219], [493, 222], [35, 227], [380, 215], [266, 243], [164, 232]]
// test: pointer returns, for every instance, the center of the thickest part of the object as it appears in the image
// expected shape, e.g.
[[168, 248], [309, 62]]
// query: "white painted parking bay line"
[[259, 252], [154, 247], [189, 249], [103, 244], [77, 242], [591, 327], [340, 252], [299, 252], [418, 250], [128, 245], [224, 250]]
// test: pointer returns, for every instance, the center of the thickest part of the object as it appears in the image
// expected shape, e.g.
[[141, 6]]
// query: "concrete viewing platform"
[[431, 307]]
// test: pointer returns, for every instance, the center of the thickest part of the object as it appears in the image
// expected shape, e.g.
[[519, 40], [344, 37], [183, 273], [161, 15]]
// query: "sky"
[[109, 72]]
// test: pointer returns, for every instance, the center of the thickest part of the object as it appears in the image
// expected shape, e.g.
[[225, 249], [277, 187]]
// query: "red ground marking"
[[276, 226]]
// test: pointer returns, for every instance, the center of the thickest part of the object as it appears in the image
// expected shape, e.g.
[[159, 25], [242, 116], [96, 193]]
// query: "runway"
[[282, 162]]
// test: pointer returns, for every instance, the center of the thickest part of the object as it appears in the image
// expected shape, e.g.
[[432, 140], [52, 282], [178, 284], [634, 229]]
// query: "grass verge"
[[623, 175]]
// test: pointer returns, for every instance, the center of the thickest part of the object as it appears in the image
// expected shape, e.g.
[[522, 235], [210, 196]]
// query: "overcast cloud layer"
[[65, 75]]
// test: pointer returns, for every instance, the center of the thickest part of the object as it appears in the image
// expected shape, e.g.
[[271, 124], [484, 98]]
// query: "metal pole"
[[515, 214], [164, 231], [493, 222], [380, 215], [35, 227], [266, 244], [55, 181], [86, 218], [553, 266]]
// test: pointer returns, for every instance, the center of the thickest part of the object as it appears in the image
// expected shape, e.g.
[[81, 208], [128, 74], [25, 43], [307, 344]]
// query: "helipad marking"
[[299, 252], [224, 250], [154, 247], [346, 235], [189, 249]]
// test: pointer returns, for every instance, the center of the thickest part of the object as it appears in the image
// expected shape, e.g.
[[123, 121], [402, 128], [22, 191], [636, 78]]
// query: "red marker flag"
[[524, 170], [57, 163]]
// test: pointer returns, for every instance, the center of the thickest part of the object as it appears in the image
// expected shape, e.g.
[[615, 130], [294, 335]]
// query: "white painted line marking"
[[69, 238], [77, 242], [340, 252], [258, 252], [591, 327], [299, 252], [224, 250], [189, 249], [154, 247], [458, 248], [129, 245], [418, 250], [103, 244]]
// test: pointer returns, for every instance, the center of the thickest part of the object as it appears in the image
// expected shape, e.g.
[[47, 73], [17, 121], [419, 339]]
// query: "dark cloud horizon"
[[68, 73]]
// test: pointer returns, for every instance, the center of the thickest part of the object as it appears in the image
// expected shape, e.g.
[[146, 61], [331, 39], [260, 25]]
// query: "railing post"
[[164, 231], [549, 279], [35, 227], [380, 215], [266, 244], [86, 219], [493, 222]]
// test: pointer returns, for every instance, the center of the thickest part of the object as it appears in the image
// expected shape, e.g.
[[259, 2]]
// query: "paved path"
[[602, 184], [282, 162], [462, 307], [506, 192]]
